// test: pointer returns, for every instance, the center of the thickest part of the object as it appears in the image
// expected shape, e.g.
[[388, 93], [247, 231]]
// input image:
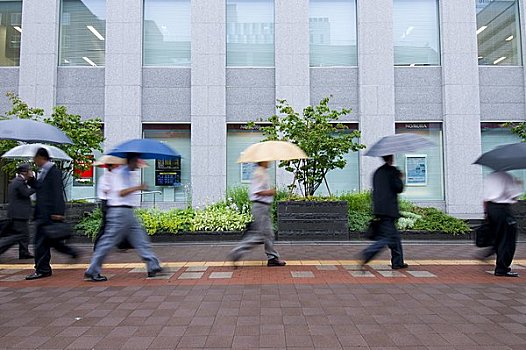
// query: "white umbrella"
[[398, 143], [29, 150], [30, 131], [271, 150]]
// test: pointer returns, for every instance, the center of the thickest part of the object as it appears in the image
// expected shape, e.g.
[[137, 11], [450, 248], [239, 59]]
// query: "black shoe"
[[95, 278], [37, 275], [154, 272], [507, 274], [26, 256], [404, 266], [276, 262]]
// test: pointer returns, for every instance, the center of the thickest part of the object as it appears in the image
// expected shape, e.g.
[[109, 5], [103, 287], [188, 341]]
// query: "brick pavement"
[[444, 301]]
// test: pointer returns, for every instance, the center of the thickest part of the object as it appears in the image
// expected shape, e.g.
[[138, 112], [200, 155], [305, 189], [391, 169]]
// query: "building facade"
[[193, 73]]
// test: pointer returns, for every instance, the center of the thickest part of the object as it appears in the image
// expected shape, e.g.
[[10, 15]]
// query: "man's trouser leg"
[[263, 224], [504, 224], [42, 251], [139, 240], [395, 244], [21, 227]]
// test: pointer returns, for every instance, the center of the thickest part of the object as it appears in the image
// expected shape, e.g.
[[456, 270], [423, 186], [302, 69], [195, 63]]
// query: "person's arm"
[[397, 185], [23, 191], [127, 191], [57, 189], [268, 193]]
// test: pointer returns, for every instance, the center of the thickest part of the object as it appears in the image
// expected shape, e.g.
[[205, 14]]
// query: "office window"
[[82, 33], [167, 33], [250, 33], [10, 32], [416, 33], [498, 33], [423, 169], [170, 178], [332, 31], [495, 135]]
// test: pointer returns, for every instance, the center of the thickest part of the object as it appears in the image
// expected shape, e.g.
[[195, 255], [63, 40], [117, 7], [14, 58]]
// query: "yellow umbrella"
[[106, 159], [270, 151]]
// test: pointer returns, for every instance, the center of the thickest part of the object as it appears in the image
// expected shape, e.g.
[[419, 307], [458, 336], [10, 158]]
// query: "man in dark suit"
[[50, 207], [18, 212], [387, 184]]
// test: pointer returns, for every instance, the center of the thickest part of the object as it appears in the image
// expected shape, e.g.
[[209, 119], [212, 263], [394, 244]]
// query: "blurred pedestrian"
[[50, 207], [261, 232], [387, 184], [501, 190], [19, 212], [121, 222]]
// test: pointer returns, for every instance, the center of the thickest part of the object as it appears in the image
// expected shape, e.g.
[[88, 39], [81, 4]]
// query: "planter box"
[[519, 211], [420, 235], [229, 236], [303, 220]]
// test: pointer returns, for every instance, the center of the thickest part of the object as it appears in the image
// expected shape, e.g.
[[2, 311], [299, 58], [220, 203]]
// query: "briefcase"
[[58, 231], [484, 236], [373, 230], [5, 225]]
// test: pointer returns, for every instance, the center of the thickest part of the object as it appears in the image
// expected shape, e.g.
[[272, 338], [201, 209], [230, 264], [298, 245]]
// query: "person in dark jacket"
[[387, 184], [50, 207], [18, 212]]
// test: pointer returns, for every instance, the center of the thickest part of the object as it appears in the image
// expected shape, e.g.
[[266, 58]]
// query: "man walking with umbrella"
[[121, 222], [387, 184]]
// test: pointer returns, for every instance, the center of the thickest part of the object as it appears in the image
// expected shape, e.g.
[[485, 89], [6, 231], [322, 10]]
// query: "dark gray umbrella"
[[399, 143], [504, 158], [31, 131]]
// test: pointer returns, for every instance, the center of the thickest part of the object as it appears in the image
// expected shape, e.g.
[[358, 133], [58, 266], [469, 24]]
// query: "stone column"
[[123, 72], [39, 53], [292, 57], [461, 106], [208, 107], [375, 78], [522, 28]]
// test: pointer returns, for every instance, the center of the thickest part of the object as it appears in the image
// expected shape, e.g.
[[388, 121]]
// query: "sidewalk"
[[320, 300]]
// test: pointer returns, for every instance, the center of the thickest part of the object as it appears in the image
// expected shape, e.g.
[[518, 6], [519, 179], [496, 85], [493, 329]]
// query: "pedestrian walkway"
[[445, 300]]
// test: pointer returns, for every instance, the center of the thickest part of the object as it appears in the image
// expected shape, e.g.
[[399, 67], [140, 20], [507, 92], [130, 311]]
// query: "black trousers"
[[43, 247], [503, 225], [17, 231], [388, 236]]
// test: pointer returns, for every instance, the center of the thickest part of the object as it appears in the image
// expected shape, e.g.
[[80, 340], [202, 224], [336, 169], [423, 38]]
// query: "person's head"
[[264, 164], [388, 159], [132, 160], [23, 169], [41, 157]]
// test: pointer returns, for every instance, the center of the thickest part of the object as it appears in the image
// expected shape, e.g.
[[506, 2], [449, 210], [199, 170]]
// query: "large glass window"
[[250, 33], [10, 32], [498, 32], [167, 37], [424, 170], [332, 29], [82, 32], [171, 178], [416, 33], [495, 135]]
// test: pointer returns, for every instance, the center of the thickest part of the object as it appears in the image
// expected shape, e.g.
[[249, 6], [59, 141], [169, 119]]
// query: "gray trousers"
[[261, 233], [121, 223]]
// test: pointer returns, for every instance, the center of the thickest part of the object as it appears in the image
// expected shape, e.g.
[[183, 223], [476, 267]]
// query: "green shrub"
[[90, 224], [435, 220], [359, 221], [238, 197], [220, 218]]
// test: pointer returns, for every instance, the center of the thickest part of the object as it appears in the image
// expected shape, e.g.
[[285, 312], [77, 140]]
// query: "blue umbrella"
[[147, 148]]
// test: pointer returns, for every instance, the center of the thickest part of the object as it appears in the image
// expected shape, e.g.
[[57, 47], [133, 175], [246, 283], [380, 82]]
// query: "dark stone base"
[[420, 235]]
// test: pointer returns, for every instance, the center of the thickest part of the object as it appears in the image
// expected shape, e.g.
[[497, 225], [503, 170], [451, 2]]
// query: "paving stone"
[[162, 276], [215, 275], [326, 267], [361, 274], [302, 274], [13, 278], [9, 271], [389, 274], [190, 275], [197, 268], [421, 274], [379, 267], [353, 267]]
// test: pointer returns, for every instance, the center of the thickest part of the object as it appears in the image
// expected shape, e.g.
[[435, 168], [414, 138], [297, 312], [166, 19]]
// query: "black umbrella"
[[504, 158]]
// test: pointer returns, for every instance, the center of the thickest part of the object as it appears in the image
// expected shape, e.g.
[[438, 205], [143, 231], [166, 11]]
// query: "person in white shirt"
[[121, 222], [261, 196], [501, 190]]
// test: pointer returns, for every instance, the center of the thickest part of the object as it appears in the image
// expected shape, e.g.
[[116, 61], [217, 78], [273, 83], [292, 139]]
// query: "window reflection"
[[10, 32], [498, 33]]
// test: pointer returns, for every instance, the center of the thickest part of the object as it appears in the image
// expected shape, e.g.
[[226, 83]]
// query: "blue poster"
[[416, 170]]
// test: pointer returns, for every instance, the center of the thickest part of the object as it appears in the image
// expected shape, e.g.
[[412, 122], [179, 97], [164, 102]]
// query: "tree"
[[318, 132], [86, 134], [518, 129]]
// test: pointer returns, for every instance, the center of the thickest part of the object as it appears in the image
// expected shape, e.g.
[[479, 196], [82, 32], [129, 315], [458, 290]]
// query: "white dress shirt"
[[104, 185], [121, 179], [260, 182], [501, 187]]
